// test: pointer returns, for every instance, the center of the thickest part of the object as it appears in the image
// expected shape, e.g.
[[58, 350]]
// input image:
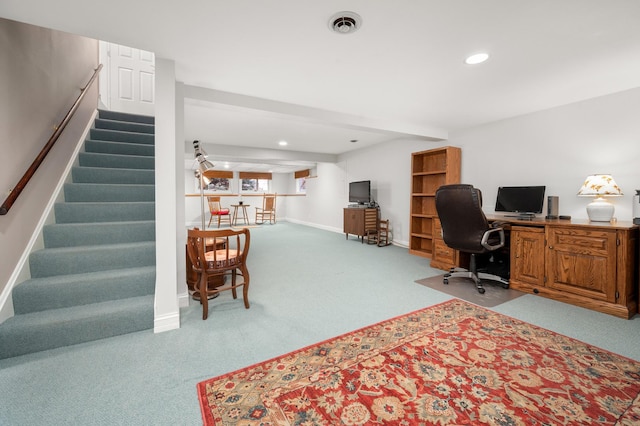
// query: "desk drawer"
[[437, 229], [442, 253]]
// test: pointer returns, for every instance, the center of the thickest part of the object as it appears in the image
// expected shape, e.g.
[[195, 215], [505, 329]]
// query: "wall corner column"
[[166, 309], [181, 233]]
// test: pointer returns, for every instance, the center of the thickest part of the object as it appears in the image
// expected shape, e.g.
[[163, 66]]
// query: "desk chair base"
[[477, 278]]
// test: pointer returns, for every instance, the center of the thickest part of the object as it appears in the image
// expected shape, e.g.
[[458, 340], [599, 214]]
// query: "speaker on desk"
[[552, 207]]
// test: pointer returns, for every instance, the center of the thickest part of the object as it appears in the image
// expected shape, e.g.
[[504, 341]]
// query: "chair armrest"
[[489, 233]]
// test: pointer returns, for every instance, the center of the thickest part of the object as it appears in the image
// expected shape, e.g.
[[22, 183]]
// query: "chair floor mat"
[[465, 289]]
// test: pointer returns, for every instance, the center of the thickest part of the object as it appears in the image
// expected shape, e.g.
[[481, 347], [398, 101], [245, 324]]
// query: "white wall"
[[42, 72], [326, 196], [386, 165], [557, 148]]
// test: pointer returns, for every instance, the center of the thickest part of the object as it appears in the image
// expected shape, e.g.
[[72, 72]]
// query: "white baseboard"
[[315, 225], [183, 300], [166, 322], [403, 244]]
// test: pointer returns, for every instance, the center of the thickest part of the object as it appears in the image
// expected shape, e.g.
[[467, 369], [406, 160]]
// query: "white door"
[[127, 79]]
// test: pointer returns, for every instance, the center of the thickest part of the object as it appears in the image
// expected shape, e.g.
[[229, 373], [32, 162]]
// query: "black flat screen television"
[[524, 200], [360, 192]]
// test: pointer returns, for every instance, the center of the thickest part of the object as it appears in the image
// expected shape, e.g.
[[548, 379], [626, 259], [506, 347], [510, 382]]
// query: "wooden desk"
[[234, 216], [588, 264]]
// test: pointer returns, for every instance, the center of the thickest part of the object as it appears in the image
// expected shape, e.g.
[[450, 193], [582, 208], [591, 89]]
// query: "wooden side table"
[[245, 216]]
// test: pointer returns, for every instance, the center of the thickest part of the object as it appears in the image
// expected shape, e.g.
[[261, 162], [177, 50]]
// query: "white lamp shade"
[[600, 185], [600, 210]]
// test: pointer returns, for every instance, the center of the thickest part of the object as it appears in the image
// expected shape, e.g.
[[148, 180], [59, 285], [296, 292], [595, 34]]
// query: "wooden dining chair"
[[216, 210], [228, 257], [267, 213]]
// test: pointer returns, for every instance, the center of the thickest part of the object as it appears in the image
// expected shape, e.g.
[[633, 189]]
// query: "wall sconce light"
[[600, 186]]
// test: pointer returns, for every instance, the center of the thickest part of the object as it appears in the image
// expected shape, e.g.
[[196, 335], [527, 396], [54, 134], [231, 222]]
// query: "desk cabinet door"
[[354, 221], [582, 262], [527, 255]]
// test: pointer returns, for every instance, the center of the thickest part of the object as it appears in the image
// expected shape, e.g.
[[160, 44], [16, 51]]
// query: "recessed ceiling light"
[[282, 143], [478, 58]]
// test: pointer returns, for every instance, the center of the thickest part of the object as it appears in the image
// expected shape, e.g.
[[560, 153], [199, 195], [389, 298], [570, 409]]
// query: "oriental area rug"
[[451, 364]]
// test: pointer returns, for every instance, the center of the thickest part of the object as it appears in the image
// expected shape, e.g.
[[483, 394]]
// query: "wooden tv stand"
[[358, 220], [588, 264]]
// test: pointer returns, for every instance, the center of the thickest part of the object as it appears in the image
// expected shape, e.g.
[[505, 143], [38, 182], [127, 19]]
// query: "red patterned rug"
[[451, 364]]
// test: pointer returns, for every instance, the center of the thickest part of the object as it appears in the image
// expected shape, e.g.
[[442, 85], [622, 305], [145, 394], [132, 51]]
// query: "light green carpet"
[[307, 285]]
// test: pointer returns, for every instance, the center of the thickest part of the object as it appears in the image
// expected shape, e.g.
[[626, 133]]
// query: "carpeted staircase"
[[95, 278]]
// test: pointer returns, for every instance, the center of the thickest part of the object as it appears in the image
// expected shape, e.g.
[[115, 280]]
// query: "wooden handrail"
[[15, 192]]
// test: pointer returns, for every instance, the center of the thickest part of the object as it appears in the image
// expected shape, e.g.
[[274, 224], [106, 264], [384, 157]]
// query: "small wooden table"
[[245, 216]]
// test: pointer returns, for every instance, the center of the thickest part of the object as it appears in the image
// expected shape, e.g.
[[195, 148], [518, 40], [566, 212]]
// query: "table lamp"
[[600, 186], [204, 165]]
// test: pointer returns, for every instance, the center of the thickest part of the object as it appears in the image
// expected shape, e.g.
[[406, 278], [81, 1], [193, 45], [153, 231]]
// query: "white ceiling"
[[229, 125], [402, 70]]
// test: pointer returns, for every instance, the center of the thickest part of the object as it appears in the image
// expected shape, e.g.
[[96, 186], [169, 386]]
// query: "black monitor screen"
[[520, 199], [360, 192]]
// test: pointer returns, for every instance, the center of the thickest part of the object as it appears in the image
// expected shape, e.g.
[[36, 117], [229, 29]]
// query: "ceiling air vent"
[[345, 22]]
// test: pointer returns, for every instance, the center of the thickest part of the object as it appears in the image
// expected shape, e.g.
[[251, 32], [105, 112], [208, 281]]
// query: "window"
[[301, 181], [218, 184], [255, 182], [216, 181], [301, 186], [254, 185]]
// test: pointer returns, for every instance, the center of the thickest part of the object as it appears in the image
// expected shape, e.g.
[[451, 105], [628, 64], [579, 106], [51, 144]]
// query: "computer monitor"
[[526, 201]]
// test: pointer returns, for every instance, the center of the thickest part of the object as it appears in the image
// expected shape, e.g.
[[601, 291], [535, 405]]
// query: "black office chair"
[[465, 228]]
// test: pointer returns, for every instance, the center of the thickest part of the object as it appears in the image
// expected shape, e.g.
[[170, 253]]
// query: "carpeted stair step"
[[125, 116], [106, 147], [104, 212], [39, 331], [115, 161], [40, 294], [98, 192], [106, 175], [95, 278], [82, 259], [120, 136], [124, 126], [87, 234]]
